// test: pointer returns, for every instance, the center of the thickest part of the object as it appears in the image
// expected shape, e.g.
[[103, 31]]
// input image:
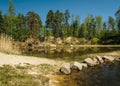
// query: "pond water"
[[101, 75], [69, 54]]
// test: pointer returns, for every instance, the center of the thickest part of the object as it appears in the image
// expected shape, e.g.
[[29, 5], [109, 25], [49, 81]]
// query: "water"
[[69, 54], [101, 75]]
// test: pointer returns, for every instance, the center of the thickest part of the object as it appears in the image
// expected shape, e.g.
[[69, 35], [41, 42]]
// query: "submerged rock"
[[90, 61], [76, 66], [109, 58], [99, 59], [65, 68]]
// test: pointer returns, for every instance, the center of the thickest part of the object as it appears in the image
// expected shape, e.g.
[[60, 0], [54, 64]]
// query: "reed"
[[8, 45]]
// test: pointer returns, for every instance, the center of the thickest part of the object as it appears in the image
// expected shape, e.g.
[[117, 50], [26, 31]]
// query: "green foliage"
[[34, 24], [75, 26], [57, 31], [10, 76], [21, 27], [91, 26], [94, 40], [82, 40], [83, 31], [117, 14], [2, 24], [111, 22], [11, 9], [98, 24], [50, 20]]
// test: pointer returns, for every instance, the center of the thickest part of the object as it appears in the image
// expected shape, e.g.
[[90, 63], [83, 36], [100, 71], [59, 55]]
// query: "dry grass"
[[8, 45]]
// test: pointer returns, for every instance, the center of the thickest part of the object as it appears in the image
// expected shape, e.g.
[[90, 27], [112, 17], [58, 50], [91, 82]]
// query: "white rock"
[[84, 65], [96, 60], [117, 59], [99, 59], [90, 61], [76, 66], [65, 68], [109, 58]]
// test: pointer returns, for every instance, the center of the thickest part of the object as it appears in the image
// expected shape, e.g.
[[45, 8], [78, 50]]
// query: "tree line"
[[57, 24]]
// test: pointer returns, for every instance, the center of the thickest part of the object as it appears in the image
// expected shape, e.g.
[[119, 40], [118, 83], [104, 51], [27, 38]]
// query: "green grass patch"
[[11, 76]]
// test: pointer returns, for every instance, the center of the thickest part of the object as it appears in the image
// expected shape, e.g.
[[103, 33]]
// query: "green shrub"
[[82, 40], [94, 40]]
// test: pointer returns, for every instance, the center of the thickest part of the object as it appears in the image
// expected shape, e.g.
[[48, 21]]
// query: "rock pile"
[[88, 62]]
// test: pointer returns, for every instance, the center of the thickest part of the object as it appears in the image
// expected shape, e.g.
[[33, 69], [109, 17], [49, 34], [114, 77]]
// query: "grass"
[[19, 76]]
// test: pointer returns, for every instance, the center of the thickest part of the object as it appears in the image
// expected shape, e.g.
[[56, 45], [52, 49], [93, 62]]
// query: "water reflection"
[[67, 53]]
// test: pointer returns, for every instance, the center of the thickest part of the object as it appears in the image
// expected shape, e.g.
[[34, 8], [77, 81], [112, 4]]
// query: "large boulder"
[[76, 66], [99, 59], [109, 58], [90, 61], [65, 68]]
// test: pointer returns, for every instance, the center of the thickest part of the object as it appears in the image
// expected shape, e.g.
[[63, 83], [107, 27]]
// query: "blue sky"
[[82, 8]]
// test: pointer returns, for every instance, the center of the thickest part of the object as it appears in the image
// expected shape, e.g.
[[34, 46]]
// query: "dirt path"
[[8, 59]]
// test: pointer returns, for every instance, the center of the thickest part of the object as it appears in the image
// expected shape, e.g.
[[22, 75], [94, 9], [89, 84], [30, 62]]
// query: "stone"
[[99, 59], [109, 58], [96, 60], [65, 68], [76, 66], [117, 59], [84, 65], [90, 61]]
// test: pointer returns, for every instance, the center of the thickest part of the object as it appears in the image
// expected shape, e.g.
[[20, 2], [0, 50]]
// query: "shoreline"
[[88, 45], [9, 59]]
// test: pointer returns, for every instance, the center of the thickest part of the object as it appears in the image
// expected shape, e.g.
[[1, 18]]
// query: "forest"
[[60, 25]]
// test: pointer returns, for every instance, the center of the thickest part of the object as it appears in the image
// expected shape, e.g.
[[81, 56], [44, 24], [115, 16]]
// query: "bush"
[[94, 40], [82, 40]]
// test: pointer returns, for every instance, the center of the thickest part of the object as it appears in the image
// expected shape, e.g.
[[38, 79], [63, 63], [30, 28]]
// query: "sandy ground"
[[8, 59]]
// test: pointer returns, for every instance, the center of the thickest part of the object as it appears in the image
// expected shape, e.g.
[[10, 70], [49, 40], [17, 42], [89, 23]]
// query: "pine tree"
[[2, 28], [66, 25], [83, 31], [11, 9], [117, 14], [98, 25], [50, 20], [34, 24], [76, 26], [58, 19]]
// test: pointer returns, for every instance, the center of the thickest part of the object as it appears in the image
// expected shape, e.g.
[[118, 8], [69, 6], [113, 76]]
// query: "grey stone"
[[99, 59], [96, 60], [109, 58], [90, 61], [76, 66], [65, 68], [117, 59], [84, 65]]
